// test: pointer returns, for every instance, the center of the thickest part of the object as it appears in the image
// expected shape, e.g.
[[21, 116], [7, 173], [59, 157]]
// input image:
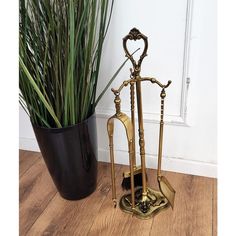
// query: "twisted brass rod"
[[162, 95], [132, 107]]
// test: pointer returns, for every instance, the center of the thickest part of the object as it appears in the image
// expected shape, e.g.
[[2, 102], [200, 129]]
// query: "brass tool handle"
[[141, 136], [135, 34], [162, 95], [131, 164], [110, 131], [132, 102]]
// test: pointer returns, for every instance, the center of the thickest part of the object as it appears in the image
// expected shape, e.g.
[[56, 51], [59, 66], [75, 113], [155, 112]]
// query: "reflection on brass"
[[155, 202], [142, 202]]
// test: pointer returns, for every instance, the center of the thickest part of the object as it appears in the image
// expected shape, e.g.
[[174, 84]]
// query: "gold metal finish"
[[164, 184], [124, 119], [143, 202], [155, 200], [137, 169], [152, 80], [133, 120], [134, 34]]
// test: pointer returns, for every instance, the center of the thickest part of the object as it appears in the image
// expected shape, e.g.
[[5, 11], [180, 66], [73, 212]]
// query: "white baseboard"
[[29, 144], [121, 157], [169, 163]]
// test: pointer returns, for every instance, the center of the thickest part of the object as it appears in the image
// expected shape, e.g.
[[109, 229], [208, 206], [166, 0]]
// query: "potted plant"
[[60, 50]]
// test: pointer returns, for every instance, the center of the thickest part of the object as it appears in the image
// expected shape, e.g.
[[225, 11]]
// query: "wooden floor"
[[44, 212]]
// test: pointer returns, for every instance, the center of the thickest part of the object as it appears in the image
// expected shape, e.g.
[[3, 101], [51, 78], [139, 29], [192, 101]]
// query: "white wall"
[[182, 44]]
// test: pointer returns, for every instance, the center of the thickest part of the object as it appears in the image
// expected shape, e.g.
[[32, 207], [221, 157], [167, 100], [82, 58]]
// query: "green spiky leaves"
[[60, 50]]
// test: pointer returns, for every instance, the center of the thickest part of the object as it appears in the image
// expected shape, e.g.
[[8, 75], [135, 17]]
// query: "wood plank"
[[44, 212], [63, 217], [26, 160], [137, 226], [111, 221], [36, 191], [214, 212], [192, 214]]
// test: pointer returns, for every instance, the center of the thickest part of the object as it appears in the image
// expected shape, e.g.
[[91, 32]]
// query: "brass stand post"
[[143, 202]]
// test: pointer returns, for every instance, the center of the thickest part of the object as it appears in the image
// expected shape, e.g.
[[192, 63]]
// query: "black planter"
[[71, 157]]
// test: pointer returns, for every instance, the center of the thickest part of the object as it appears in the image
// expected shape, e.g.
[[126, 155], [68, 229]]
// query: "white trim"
[[175, 164], [186, 56], [29, 144], [169, 163], [147, 117]]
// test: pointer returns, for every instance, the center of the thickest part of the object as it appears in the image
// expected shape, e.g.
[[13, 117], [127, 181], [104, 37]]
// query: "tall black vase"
[[70, 155]]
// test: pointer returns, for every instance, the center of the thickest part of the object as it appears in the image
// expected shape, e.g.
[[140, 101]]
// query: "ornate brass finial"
[[135, 34], [117, 101], [163, 93]]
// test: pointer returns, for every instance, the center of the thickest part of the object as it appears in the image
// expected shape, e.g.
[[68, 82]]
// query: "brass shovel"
[[164, 185]]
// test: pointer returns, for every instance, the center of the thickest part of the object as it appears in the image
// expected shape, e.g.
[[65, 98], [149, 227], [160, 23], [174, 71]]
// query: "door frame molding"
[[181, 118]]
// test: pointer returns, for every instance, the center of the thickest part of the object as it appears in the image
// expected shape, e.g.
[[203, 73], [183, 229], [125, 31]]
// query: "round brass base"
[[145, 207]]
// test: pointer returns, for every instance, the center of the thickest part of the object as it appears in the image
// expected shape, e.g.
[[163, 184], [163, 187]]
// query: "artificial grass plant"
[[60, 51]]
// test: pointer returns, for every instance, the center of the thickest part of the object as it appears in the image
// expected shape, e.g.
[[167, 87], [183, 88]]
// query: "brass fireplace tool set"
[[143, 202]]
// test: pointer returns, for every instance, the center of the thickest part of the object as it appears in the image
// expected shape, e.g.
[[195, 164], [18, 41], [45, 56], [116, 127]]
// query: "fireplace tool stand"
[[143, 202]]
